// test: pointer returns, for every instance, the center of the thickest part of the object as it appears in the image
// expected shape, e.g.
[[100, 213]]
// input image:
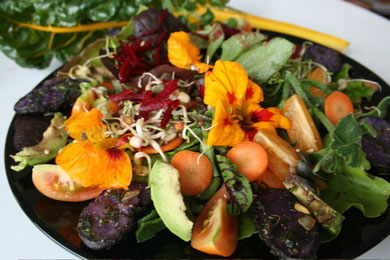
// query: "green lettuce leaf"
[[355, 188]]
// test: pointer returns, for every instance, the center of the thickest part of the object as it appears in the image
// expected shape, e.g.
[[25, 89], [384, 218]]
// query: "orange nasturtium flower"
[[88, 123], [96, 161], [238, 115], [183, 54]]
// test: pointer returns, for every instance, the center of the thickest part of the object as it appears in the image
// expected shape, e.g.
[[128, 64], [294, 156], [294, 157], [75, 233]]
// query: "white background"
[[368, 33]]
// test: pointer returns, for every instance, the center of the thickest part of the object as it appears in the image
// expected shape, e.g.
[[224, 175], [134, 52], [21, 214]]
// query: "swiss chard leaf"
[[32, 46], [238, 186]]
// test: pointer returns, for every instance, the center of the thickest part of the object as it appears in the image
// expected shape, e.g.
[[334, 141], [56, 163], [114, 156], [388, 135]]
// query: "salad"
[[214, 132]]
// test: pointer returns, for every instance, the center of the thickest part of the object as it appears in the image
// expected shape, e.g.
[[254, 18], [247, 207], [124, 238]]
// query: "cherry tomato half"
[[54, 183], [215, 231]]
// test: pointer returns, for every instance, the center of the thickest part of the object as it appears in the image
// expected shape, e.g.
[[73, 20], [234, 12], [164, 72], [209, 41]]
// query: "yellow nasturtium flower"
[[183, 54], [238, 115]]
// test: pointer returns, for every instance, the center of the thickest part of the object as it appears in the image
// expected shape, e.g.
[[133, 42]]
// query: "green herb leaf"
[[347, 131], [264, 61], [238, 186], [236, 45]]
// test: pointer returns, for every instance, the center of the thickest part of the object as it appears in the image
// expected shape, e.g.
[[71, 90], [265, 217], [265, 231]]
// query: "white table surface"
[[368, 33]]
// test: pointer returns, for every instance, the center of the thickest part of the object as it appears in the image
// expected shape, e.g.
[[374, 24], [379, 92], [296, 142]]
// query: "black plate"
[[58, 219]]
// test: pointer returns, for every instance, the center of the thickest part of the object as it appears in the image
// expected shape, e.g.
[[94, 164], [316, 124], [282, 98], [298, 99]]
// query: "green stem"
[[285, 94], [324, 120], [299, 90]]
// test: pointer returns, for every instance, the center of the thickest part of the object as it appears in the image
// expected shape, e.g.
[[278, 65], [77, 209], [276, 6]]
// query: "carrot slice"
[[337, 105], [318, 74], [166, 147], [107, 85], [196, 172], [269, 180], [179, 126], [250, 158], [372, 85], [113, 107]]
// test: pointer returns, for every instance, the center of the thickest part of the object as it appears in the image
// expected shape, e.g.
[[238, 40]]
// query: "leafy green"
[[357, 90], [149, 226], [216, 37], [246, 226], [35, 48], [264, 61], [54, 139], [209, 151], [207, 17], [380, 110], [343, 73], [238, 186], [348, 183], [236, 45], [344, 147], [353, 187]]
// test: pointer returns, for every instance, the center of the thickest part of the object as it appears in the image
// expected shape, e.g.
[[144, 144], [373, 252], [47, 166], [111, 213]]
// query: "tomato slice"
[[215, 231], [54, 183]]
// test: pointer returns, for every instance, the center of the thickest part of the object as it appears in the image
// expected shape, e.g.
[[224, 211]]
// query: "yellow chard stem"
[[330, 41], [73, 29]]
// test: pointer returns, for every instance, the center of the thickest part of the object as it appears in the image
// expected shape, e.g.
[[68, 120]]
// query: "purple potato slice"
[[109, 218], [285, 225]]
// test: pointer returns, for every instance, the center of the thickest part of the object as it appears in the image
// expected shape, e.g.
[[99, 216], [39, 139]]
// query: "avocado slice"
[[328, 217], [168, 201], [54, 138]]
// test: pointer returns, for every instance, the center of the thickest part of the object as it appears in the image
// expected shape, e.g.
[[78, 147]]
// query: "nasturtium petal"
[[227, 82], [183, 54], [254, 93], [225, 130], [279, 120], [102, 165], [88, 123]]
